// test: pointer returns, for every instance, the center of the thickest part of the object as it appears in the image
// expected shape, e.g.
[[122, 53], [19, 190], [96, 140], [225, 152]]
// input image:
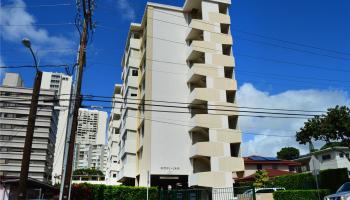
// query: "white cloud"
[[292, 99], [40, 37], [128, 12]]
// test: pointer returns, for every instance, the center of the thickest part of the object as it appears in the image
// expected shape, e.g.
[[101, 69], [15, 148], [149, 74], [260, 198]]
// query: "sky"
[[291, 54]]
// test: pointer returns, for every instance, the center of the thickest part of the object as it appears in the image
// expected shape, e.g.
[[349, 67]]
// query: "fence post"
[[254, 194]]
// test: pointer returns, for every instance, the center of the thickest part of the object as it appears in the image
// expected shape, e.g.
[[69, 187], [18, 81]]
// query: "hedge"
[[296, 181], [99, 192], [333, 178], [299, 194]]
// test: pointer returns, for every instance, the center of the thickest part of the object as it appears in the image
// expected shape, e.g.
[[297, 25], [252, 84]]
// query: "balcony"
[[129, 147], [198, 47], [202, 69], [221, 38], [223, 60], [207, 121], [211, 179], [216, 17], [196, 27], [135, 43], [209, 149], [116, 123], [206, 94], [223, 108], [227, 135], [231, 164]]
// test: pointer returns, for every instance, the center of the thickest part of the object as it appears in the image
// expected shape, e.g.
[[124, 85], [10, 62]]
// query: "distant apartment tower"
[[113, 139], [15, 102], [62, 84], [90, 140], [183, 55]]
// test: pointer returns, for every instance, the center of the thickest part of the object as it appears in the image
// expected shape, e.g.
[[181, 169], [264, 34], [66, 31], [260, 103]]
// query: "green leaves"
[[288, 153], [333, 126], [299, 194], [261, 179]]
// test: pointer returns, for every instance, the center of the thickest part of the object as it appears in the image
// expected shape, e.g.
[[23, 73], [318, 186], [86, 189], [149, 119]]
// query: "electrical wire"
[[89, 98]]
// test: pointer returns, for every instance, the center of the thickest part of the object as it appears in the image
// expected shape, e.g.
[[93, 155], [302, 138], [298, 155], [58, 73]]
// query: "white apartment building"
[[179, 116], [15, 102], [113, 139], [329, 158], [90, 149], [62, 84]]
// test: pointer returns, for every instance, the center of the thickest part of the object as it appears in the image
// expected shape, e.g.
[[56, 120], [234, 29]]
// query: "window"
[[134, 72], [274, 166], [326, 157], [341, 155], [133, 94], [114, 175], [265, 191], [259, 166]]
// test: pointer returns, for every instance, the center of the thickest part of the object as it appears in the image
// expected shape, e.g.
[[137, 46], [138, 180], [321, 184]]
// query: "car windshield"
[[345, 187]]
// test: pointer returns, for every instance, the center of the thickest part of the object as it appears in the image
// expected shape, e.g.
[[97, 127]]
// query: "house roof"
[[270, 173], [330, 149], [268, 160]]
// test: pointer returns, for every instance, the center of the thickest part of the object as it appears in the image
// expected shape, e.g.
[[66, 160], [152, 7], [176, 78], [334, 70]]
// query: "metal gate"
[[232, 193]]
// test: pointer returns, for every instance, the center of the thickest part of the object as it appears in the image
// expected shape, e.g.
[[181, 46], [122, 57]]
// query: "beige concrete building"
[[62, 84], [90, 149], [113, 139], [15, 102], [183, 55]]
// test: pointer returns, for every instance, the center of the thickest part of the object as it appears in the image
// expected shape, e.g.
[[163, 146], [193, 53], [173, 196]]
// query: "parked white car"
[[263, 190], [259, 191], [343, 193]]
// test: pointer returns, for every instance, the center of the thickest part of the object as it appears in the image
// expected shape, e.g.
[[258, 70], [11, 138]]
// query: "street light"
[[26, 42], [22, 188]]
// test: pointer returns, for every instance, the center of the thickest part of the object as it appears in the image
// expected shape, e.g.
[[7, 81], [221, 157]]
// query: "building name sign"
[[169, 169]]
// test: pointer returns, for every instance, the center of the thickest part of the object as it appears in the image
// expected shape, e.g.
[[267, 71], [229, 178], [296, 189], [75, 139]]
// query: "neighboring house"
[[273, 166], [330, 158]]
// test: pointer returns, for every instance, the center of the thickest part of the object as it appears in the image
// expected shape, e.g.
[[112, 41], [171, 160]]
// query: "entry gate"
[[232, 193]]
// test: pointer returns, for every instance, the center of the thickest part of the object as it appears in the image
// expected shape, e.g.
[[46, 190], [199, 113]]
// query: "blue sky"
[[266, 65]]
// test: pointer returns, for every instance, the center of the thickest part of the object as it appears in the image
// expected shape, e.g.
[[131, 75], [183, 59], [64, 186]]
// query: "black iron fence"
[[232, 193]]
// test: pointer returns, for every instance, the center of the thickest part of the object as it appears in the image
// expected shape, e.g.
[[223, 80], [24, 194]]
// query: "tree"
[[88, 171], [261, 179], [331, 127], [288, 153]]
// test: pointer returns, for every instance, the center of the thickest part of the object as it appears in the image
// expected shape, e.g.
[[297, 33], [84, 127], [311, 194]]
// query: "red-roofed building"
[[273, 166]]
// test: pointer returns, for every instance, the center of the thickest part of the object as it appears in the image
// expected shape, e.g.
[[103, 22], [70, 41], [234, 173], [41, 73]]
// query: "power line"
[[254, 57], [291, 42], [291, 48], [172, 123], [89, 98], [32, 66], [267, 37], [34, 24], [39, 5]]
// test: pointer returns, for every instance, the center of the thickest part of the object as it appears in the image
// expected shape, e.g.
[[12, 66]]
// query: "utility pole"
[[70, 140], [22, 188]]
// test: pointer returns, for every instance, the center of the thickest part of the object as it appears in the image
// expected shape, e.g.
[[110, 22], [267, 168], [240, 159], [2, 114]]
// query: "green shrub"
[[295, 181], [100, 192], [332, 179], [299, 194]]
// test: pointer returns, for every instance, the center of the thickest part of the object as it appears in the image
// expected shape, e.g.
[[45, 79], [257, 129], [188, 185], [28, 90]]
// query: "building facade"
[[90, 148], [179, 115], [15, 102], [329, 158], [273, 166], [62, 84], [113, 139]]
